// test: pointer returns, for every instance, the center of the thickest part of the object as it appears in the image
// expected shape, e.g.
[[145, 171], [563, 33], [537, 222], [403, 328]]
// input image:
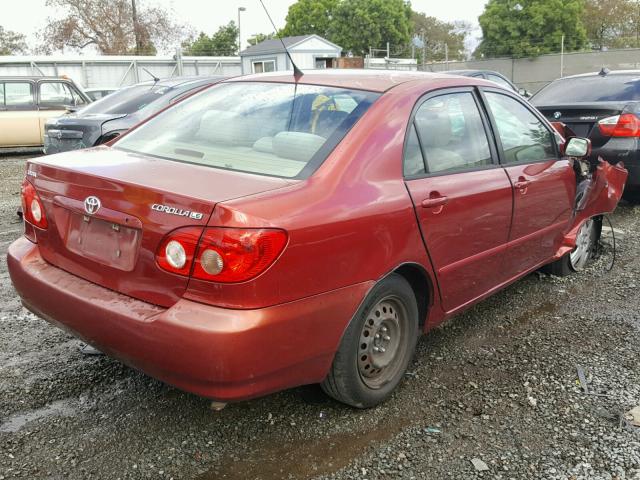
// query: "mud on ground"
[[498, 383]]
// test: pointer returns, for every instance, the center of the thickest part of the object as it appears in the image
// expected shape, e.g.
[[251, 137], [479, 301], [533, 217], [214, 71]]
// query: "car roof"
[[357, 79], [609, 74], [33, 78], [177, 81]]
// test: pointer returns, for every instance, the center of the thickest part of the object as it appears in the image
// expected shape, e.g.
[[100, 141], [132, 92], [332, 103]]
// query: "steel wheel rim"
[[381, 342], [584, 241]]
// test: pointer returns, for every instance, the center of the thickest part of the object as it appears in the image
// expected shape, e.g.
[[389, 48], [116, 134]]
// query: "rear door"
[[544, 184], [18, 114], [462, 197]]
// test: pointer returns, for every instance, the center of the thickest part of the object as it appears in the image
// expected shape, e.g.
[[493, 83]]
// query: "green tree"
[[306, 17], [108, 26], [223, 42], [12, 43], [437, 34], [359, 24], [260, 37], [612, 23], [524, 28]]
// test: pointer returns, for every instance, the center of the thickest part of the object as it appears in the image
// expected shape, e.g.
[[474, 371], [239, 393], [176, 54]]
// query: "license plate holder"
[[102, 241]]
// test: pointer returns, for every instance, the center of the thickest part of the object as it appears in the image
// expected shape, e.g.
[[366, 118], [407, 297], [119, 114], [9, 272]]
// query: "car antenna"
[[155, 79], [297, 73]]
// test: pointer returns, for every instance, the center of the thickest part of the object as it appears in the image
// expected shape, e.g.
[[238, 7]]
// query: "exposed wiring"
[[613, 236]]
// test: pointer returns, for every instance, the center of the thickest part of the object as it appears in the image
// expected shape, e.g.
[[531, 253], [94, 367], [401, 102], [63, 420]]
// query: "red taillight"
[[625, 125], [32, 207], [235, 255], [221, 254], [176, 252]]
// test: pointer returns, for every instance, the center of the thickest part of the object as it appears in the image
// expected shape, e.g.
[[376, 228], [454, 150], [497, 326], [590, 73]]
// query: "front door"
[[19, 125], [462, 197], [544, 185]]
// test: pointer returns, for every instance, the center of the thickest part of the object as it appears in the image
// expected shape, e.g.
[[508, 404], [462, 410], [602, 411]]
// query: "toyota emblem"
[[92, 205], [557, 115]]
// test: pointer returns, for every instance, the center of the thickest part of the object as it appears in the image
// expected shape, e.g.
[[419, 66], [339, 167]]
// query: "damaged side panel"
[[597, 193]]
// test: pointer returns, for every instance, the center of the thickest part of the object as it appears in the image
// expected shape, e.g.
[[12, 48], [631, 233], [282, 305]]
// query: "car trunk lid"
[[108, 210], [582, 117]]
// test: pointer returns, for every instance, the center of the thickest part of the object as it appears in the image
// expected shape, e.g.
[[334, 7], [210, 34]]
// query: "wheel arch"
[[422, 287]]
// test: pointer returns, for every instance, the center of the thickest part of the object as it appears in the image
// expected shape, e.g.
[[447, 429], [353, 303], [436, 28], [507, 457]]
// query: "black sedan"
[[114, 114], [495, 77], [604, 107]]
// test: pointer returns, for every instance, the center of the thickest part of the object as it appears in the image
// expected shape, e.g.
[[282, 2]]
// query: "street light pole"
[[240, 9]]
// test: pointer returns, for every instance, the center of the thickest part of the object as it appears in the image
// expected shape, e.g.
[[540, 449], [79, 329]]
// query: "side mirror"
[[578, 147], [524, 93]]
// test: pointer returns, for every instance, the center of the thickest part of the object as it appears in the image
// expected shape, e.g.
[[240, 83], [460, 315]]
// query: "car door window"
[[451, 133], [413, 160], [500, 81], [56, 94], [524, 137], [18, 95], [2, 95]]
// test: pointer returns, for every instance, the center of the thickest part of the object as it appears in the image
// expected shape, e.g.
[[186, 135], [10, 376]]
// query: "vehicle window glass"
[[127, 100], [77, 99], [413, 160], [55, 93], [265, 128], [612, 87], [452, 134], [18, 94], [499, 80], [1, 94], [524, 137]]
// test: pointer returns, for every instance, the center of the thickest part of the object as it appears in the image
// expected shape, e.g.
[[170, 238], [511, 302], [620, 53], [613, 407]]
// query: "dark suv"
[[604, 107]]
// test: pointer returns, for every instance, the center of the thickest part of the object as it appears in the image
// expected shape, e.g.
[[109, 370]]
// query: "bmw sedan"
[[273, 231], [604, 107], [112, 115]]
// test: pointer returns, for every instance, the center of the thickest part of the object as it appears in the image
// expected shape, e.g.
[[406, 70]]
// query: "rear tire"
[[376, 347], [579, 257]]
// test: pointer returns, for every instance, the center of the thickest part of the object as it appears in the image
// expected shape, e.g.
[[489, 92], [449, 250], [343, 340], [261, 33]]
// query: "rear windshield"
[[611, 88], [127, 100], [276, 129]]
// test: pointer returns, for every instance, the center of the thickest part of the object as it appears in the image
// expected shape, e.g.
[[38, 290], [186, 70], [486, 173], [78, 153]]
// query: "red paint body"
[[349, 224]]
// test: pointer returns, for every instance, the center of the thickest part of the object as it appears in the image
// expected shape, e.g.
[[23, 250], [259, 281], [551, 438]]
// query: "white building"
[[307, 51]]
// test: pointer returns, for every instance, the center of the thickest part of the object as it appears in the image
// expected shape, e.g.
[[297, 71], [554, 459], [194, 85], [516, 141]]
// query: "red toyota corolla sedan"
[[267, 232]]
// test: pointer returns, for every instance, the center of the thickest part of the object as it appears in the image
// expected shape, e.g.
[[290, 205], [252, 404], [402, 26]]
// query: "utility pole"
[[240, 9], [424, 50], [446, 56], [134, 12], [562, 56]]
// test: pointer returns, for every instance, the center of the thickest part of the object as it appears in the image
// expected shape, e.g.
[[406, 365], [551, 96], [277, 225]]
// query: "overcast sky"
[[29, 16]]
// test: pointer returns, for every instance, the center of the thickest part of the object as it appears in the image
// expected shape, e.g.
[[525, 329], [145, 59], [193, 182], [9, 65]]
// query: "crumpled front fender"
[[602, 196]]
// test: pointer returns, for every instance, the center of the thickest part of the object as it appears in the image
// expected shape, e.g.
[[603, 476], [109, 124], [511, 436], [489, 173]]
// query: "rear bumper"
[[214, 352]]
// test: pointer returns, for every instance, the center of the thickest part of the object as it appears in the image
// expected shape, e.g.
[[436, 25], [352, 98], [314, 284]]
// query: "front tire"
[[377, 346], [577, 259]]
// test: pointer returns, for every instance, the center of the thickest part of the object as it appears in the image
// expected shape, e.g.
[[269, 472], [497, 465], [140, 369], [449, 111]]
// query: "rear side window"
[[451, 134], [18, 95], [524, 138], [277, 129], [612, 88], [128, 100]]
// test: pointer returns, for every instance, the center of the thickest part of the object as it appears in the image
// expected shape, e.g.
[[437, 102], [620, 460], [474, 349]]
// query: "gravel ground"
[[498, 384]]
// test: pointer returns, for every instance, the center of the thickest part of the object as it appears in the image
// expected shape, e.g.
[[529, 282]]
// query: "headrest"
[[435, 128], [297, 145]]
